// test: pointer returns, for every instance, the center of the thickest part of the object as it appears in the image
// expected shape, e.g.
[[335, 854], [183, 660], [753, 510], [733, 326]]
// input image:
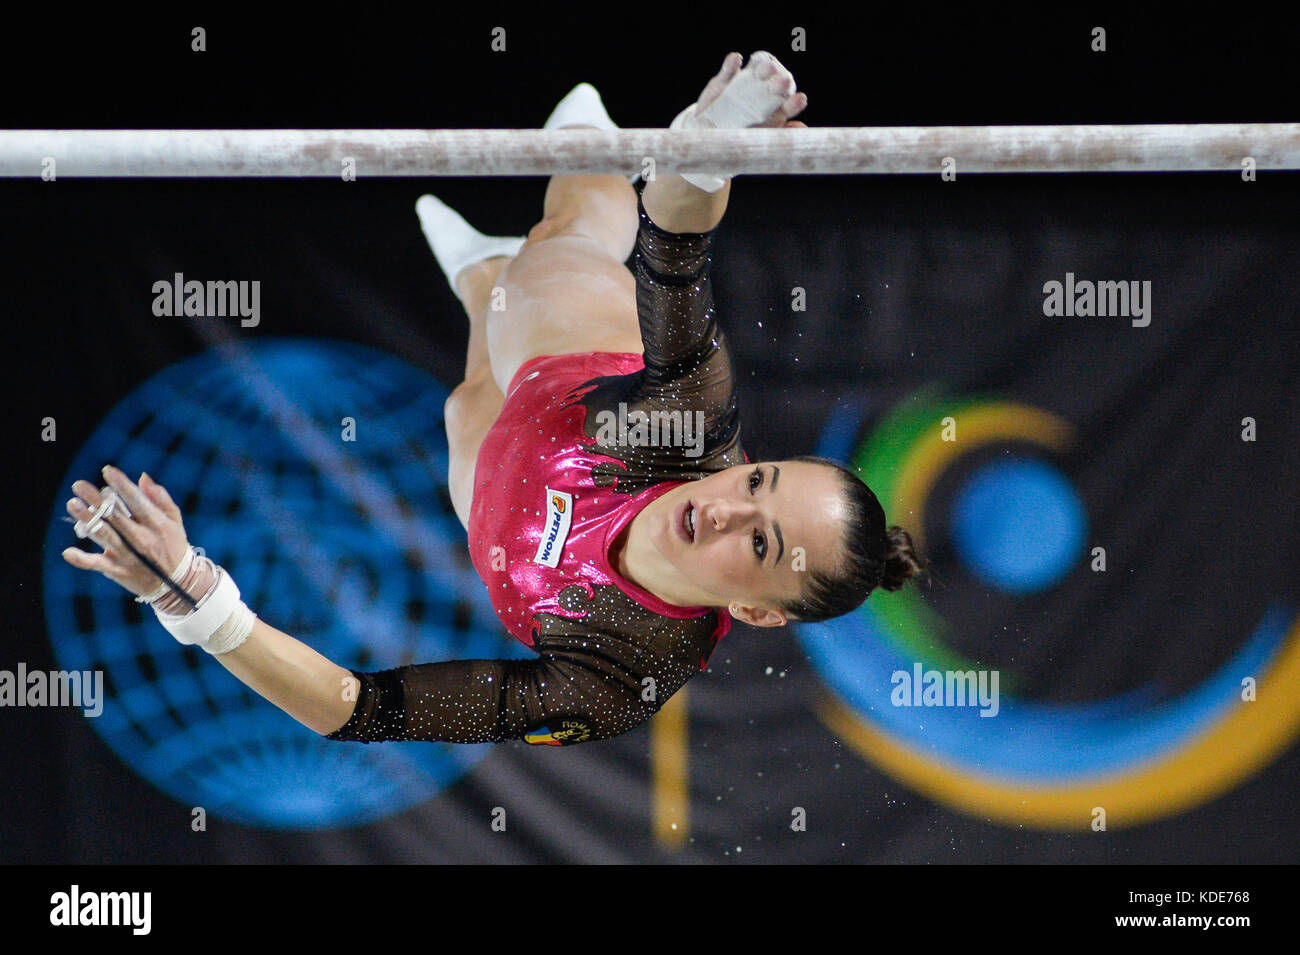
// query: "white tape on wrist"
[[176, 575], [233, 632], [211, 617], [687, 119], [704, 181], [745, 101]]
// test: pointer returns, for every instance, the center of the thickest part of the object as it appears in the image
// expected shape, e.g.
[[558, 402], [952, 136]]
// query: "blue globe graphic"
[[349, 545]]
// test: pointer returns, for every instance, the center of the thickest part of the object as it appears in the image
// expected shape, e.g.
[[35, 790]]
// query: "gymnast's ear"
[[757, 616]]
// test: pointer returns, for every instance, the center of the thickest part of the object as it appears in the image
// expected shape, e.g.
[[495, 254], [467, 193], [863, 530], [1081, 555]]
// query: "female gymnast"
[[619, 556]]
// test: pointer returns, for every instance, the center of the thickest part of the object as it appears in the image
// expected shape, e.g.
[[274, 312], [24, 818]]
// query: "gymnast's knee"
[[471, 403], [588, 232], [550, 227]]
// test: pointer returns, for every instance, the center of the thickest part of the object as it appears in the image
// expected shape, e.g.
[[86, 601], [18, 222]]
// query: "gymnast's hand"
[[154, 528], [768, 69]]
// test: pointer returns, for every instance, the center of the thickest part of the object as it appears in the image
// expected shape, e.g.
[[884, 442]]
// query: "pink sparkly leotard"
[[582, 444]]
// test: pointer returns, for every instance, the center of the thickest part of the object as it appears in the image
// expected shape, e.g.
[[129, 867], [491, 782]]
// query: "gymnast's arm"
[[311, 688], [577, 688], [573, 695], [457, 701], [688, 368], [688, 365], [675, 205], [559, 696]]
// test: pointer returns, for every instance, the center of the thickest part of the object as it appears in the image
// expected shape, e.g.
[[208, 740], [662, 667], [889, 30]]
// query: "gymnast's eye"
[[760, 545], [755, 480]]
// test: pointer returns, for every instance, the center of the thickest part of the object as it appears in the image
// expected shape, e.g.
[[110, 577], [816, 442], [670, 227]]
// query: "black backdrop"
[[910, 280]]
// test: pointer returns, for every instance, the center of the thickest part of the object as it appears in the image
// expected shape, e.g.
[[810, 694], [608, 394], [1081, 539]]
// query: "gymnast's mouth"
[[686, 522]]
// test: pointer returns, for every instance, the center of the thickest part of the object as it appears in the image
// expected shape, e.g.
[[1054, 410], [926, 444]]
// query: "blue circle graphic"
[[315, 473], [1019, 524], [1012, 741]]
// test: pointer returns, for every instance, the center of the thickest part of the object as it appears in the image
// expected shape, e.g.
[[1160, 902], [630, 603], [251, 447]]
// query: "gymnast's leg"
[[568, 290], [473, 405], [563, 289]]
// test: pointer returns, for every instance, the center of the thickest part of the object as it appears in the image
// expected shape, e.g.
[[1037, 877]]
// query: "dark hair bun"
[[901, 561]]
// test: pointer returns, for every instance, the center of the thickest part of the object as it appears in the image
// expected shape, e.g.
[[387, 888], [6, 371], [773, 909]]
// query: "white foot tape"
[[455, 243], [581, 107]]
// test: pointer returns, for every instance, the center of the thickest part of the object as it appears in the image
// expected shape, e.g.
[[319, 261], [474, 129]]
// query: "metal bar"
[[332, 153]]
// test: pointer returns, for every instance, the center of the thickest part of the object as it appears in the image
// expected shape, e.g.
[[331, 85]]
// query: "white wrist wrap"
[[745, 101], [687, 119], [219, 624], [163, 590], [233, 632]]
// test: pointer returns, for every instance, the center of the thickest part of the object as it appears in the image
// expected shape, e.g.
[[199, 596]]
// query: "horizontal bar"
[[324, 153]]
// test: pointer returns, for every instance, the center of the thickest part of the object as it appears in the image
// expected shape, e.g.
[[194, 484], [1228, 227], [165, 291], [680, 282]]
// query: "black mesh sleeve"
[[688, 364], [584, 686], [555, 701]]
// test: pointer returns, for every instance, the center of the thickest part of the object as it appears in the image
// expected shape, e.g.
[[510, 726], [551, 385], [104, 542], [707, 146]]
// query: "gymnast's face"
[[745, 538]]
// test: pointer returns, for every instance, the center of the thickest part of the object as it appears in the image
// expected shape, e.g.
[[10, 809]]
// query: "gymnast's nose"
[[723, 515]]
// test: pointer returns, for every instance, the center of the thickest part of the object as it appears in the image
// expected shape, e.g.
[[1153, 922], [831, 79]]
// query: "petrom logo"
[[555, 531]]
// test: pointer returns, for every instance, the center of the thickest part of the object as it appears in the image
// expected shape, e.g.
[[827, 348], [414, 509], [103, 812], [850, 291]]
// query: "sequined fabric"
[[609, 653]]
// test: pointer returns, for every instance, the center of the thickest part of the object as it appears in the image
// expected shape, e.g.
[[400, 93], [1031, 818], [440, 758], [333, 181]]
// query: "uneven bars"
[[322, 153]]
